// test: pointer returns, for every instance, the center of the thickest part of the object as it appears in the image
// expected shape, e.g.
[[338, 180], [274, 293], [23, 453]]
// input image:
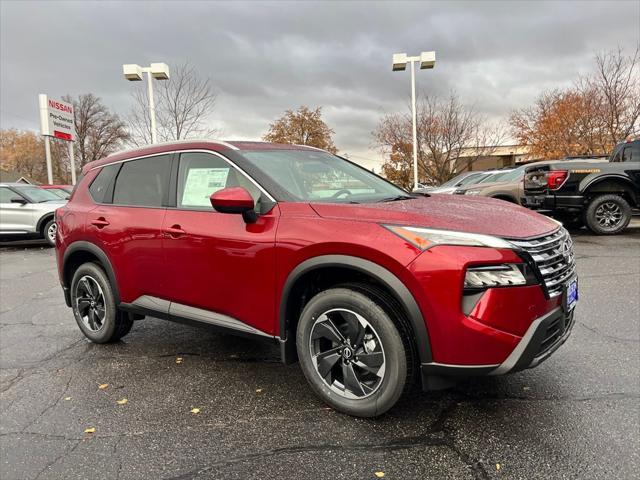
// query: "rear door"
[[15, 217], [127, 222], [215, 262]]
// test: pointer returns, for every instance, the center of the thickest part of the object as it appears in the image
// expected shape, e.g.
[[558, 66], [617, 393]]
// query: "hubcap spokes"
[[347, 353], [52, 231], [608, 215], [90, 303]]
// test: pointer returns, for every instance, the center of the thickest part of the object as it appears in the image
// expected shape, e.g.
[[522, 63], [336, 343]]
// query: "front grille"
[[553, 256]]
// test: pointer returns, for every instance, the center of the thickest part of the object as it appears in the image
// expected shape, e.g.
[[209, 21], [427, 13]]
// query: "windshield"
[[60, 192], [493, 177], [36, 194], [476, 177], [452, 182], [322, 177]]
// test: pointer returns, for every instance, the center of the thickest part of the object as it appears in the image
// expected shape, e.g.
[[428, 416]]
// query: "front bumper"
[[545, 335]]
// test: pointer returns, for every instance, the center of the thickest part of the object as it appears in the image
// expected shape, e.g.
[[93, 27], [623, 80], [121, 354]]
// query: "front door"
[[216, 262], [15, 217]]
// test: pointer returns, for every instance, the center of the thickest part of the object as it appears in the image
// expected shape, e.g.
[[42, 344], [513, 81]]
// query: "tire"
[[607, 214], [351, 384], [94, 306], [49, 232]]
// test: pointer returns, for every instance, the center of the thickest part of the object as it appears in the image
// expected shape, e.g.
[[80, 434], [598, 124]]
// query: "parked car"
[[507, 186], [465, 178], [62, 191], [597, 193], [27, 211], [370, 288]]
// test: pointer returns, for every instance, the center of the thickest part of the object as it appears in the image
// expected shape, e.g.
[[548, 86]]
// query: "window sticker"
[[201, 183]]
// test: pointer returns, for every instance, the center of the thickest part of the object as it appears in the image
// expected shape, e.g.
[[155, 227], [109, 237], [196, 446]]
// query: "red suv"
[[369, 287]]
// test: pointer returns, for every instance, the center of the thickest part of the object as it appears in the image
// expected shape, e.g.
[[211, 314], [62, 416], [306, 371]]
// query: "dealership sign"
[[56, 118]]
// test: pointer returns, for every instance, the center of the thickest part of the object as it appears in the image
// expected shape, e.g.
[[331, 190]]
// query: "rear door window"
[[143, 182]]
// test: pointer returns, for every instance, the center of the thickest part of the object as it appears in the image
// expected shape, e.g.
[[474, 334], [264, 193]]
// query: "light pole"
[[159, 71], [427, 60]]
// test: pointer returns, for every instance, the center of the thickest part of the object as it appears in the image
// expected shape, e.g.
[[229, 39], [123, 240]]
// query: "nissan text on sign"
[[56, 118]]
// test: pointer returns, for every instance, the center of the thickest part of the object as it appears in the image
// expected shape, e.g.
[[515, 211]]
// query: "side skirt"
[[176, 312]]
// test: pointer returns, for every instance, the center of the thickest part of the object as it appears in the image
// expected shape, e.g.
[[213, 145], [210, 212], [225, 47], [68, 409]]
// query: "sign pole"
[[47, 149], [73, 163]]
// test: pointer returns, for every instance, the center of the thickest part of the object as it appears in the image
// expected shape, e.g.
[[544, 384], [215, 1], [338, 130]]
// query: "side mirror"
[[235, 200], [19, 200]]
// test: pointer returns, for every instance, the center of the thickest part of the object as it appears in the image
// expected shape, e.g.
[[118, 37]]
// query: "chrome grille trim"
[[553, 256]]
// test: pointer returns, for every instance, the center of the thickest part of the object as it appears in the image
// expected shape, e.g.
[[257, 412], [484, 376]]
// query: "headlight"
[[494, 276], [473, 192], [424, 238]]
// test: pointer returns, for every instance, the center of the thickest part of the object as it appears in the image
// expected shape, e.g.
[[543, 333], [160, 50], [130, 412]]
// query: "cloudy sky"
[[266, 57]]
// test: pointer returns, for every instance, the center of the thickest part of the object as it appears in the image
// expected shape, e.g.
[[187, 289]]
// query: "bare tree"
[[451, 137], [99, 132], [617, 81], [183, 106]]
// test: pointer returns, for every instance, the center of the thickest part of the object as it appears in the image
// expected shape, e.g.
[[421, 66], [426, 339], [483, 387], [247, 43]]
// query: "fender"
[[44, 219], [591, 180], [384, 276], [84, 246]]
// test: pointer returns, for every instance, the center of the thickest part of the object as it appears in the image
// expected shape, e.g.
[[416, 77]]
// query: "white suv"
[[28, 211]]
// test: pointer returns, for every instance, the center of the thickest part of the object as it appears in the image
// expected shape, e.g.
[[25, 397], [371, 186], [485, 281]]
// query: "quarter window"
[[101, 188], [143, 182], [202, 174]]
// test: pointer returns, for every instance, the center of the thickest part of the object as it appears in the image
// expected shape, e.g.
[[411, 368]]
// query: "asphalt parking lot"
[[575, 416]]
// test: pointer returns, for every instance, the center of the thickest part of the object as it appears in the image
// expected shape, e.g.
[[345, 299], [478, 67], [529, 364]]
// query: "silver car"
[[28, 211]]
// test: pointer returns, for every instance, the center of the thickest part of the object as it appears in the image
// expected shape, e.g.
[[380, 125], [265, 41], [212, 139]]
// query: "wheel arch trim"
[[92, 248], [381, 274], [44, 219], [616, 177]]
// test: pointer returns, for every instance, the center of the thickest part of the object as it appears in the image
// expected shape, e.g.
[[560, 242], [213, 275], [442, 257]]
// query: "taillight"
[[556, 178]]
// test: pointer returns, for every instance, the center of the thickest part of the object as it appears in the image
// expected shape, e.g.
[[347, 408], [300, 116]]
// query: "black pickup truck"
[[601, 194]]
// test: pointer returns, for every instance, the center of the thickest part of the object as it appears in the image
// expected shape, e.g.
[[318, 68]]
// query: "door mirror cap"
[[234, 200], [19, 200]]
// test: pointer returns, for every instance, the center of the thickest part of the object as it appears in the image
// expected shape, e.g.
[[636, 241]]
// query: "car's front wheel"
[[351, 352], [94, 306], [49, 231]]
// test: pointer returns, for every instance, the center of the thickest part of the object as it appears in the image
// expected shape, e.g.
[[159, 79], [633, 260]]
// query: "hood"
[[448, 212]]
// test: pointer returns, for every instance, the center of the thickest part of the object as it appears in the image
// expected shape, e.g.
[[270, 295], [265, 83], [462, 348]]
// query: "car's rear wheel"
[[351, 352], [94, 306], [49, 232], [607, 214]]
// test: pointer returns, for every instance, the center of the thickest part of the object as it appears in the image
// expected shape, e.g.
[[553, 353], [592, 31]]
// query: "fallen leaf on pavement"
[[498, 466], [379, 474], [102, 386], [179, 360], [67, 398], [526, 388], [195, 410], [90, 430], [122, 401], [259, 390]]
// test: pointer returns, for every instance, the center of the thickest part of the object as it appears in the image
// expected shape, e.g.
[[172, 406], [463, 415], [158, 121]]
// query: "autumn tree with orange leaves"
[[589, 118], [302, 127]]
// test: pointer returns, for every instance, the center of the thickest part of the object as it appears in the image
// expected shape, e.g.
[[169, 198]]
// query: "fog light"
[[494, 276]]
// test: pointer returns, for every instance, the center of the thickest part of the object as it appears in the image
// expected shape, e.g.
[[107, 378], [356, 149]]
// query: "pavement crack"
[[607, 336]]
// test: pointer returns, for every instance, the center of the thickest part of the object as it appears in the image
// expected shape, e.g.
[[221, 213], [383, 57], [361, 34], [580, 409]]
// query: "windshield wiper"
[[396, 198]]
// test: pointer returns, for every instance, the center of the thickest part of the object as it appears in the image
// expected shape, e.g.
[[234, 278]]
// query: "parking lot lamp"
[[159, 71], [427, 60]]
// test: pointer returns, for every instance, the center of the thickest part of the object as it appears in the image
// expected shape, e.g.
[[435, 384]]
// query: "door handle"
[[174, 231], [100, 222]]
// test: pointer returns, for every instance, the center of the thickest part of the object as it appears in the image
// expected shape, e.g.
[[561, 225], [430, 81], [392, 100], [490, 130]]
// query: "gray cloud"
[[265, 57]]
